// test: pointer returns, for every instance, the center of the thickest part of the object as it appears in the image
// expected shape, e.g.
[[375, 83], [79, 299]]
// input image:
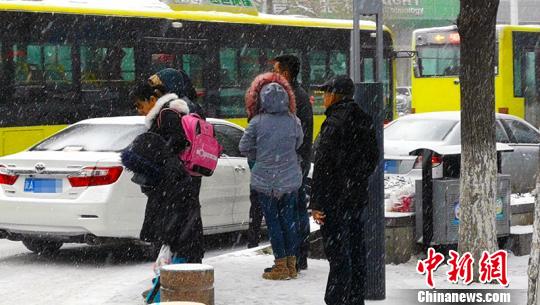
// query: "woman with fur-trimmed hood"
[[172, 216], [271, 139]]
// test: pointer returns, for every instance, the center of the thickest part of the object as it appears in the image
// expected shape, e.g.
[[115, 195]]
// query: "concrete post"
[[187, 282]]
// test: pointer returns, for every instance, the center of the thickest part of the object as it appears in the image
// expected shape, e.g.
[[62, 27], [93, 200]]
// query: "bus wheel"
[[41, 246]]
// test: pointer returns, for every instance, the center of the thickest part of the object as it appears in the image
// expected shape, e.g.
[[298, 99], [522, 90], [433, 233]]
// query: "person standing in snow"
[[288, 66], [271, 139], [346, 156], [173, 215], [179, 83]]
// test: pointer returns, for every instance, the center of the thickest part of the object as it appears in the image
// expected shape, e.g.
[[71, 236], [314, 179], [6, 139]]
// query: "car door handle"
[[239, 168]]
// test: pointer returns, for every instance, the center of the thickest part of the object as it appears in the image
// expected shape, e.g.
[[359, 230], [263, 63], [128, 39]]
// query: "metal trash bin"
[[446, 209]]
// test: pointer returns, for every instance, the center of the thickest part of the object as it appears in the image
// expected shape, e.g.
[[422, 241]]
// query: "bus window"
[[524, 72], [524, 44], [529, 73], [229, 71], [239, 66], [388, 90], [317, 63], [42, 63], [439, 60], [368, 70], [338, 63], [192, 64], [250, 66], [231, 95], [128, 65], [103, 64], [161, 61]]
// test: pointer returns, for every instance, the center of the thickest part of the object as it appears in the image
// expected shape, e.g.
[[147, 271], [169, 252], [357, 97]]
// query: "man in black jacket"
[[346, 156], [289, 67]]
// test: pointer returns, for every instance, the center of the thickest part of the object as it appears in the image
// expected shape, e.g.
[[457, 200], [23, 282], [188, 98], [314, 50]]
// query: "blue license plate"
[[391, 167], [37, 185]]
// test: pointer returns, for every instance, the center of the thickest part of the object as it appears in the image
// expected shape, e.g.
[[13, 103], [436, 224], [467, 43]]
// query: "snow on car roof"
[[139, 120]]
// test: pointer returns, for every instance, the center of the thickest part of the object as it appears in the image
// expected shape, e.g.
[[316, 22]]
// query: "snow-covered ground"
[[116, 275], [101, 275], [238, 281]]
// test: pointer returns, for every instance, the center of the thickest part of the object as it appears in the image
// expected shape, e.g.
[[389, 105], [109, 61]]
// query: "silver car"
[[444, 129]]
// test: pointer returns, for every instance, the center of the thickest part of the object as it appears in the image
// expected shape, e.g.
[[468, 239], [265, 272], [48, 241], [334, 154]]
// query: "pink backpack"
[[201, 156]]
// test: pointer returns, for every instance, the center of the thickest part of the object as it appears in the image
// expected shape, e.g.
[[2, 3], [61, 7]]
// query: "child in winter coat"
[[172, 214], [271, 139]]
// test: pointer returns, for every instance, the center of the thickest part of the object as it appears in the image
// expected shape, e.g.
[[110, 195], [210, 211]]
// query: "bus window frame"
[[521, 46], [106, 45], [43, 70]]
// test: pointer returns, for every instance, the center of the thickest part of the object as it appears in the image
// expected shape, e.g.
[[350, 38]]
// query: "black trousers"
[[342, 238], [198, 254], [303, 217], [255, 220], [196, 187]]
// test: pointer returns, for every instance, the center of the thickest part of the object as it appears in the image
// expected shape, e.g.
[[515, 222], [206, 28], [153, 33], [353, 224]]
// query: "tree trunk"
[[534, 259], [476, 26]]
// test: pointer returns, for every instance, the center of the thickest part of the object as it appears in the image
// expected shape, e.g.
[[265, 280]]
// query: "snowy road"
[[107, 275], [80, 274]]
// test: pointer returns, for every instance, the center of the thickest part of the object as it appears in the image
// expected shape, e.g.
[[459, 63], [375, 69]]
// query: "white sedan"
[[443, 130], [71, 187]]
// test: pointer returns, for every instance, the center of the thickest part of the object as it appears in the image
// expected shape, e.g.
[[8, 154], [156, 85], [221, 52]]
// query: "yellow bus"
[[63, 61], [435, 77]]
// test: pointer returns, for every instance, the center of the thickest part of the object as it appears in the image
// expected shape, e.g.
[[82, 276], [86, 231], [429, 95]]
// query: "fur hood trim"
[[253, 99], [175, 103]]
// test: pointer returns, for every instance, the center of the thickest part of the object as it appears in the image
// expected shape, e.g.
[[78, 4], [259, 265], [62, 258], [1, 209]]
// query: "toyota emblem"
[[40, 167]]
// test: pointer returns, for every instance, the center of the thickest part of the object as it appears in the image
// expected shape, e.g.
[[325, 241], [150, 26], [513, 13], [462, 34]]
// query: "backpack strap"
[[163, 110]]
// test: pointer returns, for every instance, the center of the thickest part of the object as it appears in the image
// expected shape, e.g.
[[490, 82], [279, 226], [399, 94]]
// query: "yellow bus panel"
[[16, 139]]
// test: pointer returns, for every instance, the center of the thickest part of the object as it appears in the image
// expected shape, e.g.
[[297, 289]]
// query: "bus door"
[[189, 56], [107, 73], [529, 84]]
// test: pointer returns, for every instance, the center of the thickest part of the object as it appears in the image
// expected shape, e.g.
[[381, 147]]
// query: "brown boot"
[[291, 265], [279, 272]]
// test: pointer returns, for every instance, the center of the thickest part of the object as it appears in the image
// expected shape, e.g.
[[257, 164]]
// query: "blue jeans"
[[281, 220]]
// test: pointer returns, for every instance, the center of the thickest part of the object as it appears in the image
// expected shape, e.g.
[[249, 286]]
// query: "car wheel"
[[41, 246]]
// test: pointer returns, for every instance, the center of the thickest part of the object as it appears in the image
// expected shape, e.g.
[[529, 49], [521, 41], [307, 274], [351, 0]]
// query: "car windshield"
[[92, 137], [419, 130]]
